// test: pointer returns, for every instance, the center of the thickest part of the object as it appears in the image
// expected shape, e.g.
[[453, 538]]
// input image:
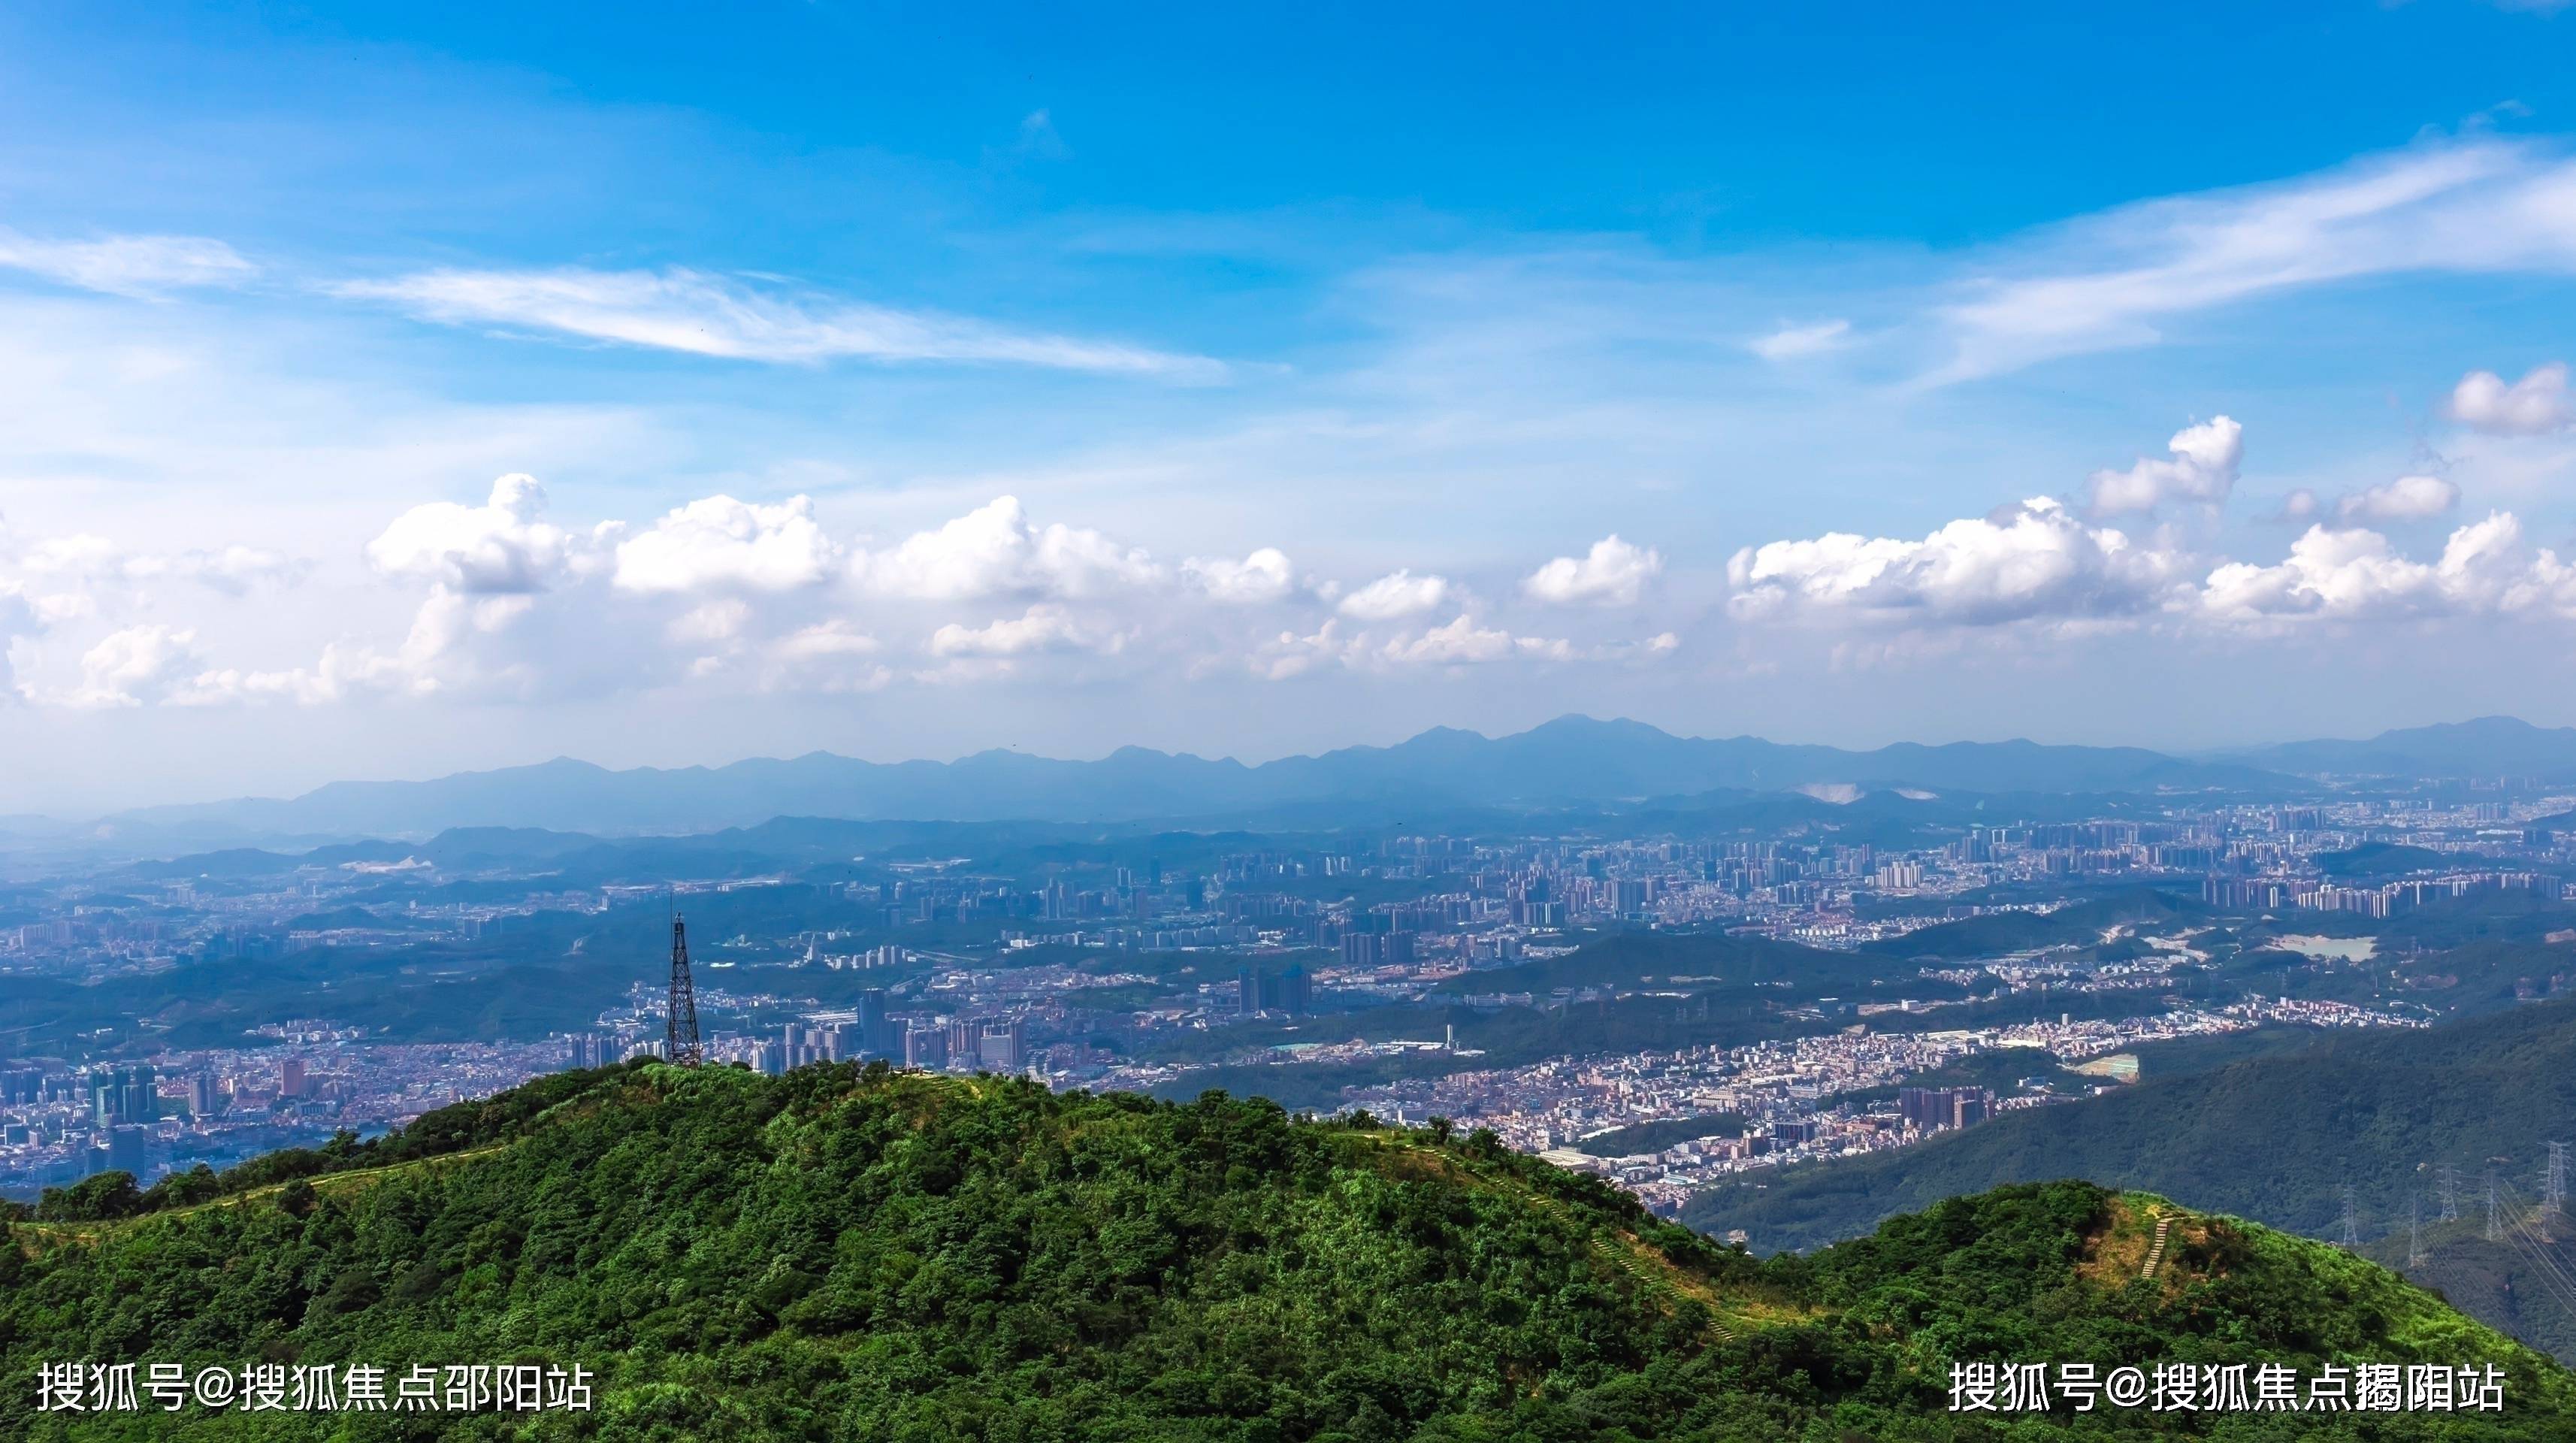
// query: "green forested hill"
[[1999, 932], [2522, 1281], [2381, 859], [878, 1255], [2275, 1138]]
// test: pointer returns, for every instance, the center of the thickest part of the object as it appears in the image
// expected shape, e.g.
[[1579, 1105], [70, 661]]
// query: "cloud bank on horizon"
[[947, 453]]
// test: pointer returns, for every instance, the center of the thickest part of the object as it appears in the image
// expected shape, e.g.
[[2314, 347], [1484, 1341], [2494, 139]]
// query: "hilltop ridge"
[[876, 1254]]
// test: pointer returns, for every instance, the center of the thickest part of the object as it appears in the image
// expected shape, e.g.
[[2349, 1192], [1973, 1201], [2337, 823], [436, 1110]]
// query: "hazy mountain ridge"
[[2484, 746], [1571, 760]]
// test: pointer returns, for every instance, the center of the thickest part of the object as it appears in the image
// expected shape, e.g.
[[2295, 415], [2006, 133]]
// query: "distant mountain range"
[[2487, 747], [1572, 761]]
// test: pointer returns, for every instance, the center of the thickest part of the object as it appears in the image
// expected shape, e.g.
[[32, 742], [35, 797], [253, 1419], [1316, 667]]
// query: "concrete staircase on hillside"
[[2156, 1249]]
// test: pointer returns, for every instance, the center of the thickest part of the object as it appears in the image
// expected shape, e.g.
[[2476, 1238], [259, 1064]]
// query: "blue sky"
[[903, 382]]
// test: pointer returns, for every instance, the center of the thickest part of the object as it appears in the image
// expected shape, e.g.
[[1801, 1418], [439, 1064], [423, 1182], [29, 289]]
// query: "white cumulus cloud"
[[1043, 627], [136, 666], [718, 543], [1462, 642], [1289, 654], [2301, 505], [502, 547], [996, 550], [2202, 469], [1396, 595], [2357, 575], [1612, 572], [342, 672], [2408, 498], [1262, 576], [2533, 406], [2031, 561]]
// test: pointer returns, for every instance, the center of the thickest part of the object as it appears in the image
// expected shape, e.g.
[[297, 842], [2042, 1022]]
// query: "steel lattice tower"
[[2450, 1177], [2553, 1184], [2415, 1230], [2351, 1224], [680, 1028]]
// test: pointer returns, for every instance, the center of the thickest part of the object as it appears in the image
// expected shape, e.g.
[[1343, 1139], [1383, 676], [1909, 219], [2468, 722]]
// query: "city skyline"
[[408, 402]]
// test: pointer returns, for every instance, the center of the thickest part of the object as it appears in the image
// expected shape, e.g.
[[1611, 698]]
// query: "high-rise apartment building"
[[926, 1048]]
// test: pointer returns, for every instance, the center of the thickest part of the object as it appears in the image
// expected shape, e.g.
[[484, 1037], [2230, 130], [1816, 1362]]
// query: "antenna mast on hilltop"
[[680, 1028]]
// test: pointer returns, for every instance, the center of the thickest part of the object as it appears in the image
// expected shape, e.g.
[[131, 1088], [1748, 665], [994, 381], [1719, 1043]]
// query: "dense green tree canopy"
[[881, 1255]]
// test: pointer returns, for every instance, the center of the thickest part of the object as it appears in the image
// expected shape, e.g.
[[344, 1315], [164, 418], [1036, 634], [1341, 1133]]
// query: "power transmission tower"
[[2553, 1185], [2450, 1183], [2351, 1225], [2495, 1229], [680, 1028], [2415, 1230]]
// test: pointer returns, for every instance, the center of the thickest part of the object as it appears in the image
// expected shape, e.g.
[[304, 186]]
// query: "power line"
[[2547, 1267], [2495, 1233]]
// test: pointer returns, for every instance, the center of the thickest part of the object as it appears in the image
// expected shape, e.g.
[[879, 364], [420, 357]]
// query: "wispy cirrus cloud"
[[698, 313], [2113, 279], [1792, 342], [145, 267]]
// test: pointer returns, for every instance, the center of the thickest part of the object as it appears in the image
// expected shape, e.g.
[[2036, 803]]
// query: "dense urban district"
[[1778, 978], [1752, 1009]]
